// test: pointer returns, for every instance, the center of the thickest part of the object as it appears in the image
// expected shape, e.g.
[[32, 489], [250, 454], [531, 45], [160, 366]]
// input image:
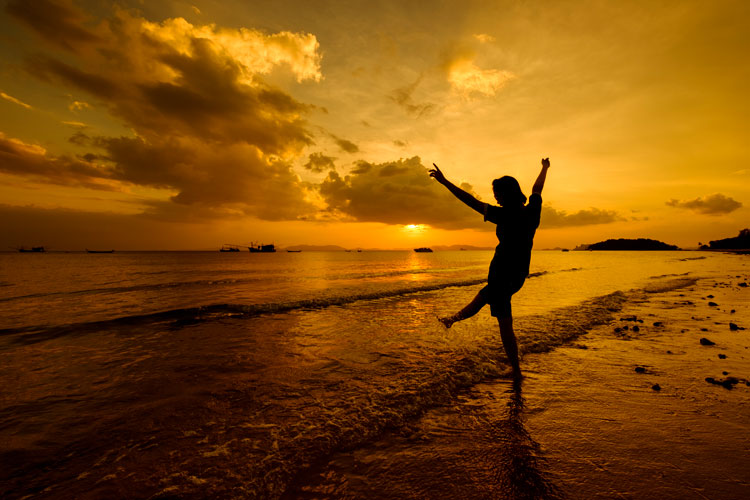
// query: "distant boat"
[[293, 251], [423, 250], [31, 250], [229, 248], [262, 248], [100, 251]]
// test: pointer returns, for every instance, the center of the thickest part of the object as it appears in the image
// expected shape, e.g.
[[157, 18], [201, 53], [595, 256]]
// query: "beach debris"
[[734, 327], [722, 356], [640, 369], [656, 387], [727, 383], [658, 323], [705, 341], [713, 304]]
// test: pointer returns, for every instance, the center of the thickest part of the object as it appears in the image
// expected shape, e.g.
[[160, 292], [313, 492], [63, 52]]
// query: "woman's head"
[[507, 192]]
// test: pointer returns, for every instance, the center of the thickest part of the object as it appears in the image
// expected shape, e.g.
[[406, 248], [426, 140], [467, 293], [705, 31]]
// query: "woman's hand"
[[545, 162], [436, 174]]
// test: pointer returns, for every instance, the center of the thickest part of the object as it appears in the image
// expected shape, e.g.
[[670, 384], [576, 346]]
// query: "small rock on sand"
[[656, 387], [636, 329], [658, 323], [734, 327], [713, 304], [743, 284], [705, 341], [722, 356], [710, 296], [640, 369]]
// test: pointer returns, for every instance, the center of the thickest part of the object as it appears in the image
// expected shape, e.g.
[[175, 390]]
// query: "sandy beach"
[[625, 411]]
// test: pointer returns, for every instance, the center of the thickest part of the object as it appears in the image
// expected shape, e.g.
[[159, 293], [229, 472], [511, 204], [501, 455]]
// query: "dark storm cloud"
[[715, 204], [398, 192], [559, 218], [318, 162], [31, 161], [58, 22], [206, 126]]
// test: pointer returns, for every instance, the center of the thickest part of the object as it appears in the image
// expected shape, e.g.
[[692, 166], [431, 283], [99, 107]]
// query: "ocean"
[[225, 375]]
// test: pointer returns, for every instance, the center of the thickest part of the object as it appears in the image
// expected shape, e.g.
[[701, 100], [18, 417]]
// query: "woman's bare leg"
[[509, 342], [470, 310]]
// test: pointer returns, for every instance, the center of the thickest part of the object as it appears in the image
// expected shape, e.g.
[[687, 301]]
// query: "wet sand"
[[622, 412]]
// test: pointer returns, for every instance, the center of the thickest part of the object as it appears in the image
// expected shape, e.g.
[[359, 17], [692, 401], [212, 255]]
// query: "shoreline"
[[589, 422]]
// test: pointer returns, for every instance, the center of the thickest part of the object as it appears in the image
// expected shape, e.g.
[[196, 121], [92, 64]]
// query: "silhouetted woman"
[[516, 224]]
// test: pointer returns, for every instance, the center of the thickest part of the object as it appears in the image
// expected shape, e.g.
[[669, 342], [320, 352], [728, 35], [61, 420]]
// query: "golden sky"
[[188, 124]]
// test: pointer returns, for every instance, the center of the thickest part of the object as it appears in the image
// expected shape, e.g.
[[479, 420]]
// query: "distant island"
[[739, 242], [628, 244]]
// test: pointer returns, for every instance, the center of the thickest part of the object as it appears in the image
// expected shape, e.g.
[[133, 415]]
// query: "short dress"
[[510, 265]]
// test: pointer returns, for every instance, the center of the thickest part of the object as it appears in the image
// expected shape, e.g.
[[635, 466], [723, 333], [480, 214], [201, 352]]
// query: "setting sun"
[[415, 228]]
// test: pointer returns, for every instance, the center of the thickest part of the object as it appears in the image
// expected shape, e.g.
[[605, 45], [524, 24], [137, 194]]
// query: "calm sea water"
[[196, 374]]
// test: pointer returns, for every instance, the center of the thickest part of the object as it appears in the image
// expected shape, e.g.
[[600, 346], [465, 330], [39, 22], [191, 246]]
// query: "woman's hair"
[[507, 187]]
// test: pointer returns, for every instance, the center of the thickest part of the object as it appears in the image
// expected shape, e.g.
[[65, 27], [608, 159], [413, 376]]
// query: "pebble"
[[705, 341], [722, 356], [743, 284], [732, 311], [636, 329], [640, 369], [734, 327], [658, 323], [656, 387], [713, 304], [710, 296], [704, 329]]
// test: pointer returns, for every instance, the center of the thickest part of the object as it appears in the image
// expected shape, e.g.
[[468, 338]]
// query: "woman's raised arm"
[[459, 193], [539, 184]]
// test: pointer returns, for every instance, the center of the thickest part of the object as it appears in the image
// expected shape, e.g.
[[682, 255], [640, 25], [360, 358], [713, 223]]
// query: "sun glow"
[[415, 228]]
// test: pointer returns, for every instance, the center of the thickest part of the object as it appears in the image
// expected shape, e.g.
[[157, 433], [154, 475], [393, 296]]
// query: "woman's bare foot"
[[447, 321]]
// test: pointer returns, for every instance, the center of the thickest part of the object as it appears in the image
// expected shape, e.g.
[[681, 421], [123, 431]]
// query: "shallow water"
[[196, 373]]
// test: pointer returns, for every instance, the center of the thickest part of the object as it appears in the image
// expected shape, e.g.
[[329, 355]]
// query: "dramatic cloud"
[[12, 99], [398, 192], [28, 160], [318, 162], [57, 21], [206, 126], [715, 204], [552, 218]]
